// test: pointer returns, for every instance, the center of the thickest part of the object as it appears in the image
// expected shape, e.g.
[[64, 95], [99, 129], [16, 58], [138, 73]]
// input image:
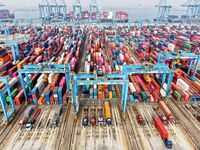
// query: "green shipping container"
[[177, 94], [151, 59], [143, 95], [187, 45], [114, 95], [13, 94]]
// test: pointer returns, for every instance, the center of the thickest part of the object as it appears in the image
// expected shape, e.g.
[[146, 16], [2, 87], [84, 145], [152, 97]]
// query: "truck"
[[139, 117], [162, 131], [85, 120], [166, 111], [160, 115]]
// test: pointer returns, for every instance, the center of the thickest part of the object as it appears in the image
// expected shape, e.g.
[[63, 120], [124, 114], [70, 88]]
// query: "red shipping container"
[[160, 127], [19, 98]]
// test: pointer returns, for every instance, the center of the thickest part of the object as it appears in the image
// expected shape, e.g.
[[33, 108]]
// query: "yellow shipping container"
[[110, 94]]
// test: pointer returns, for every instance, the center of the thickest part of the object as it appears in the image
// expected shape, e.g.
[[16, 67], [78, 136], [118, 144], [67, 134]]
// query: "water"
[[134, 14]]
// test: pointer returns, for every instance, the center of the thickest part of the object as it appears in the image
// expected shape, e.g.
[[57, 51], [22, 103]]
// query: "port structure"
[[94, 9], [7, 90], [43, 68], [139, 23], [192, 7], [110, 79], [52, 9], [194, 60], [6, 31], [147, 68], [163, 9], [77, 9], [14, 48]]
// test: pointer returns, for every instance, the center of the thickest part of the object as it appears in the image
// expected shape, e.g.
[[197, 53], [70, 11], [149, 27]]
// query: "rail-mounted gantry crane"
[[193, 7], [52, 9], [6, 91], [94, 10], [42, 68], [163, 9], [77, 9]]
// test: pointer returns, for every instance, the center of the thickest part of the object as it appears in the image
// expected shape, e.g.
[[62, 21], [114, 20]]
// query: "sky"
[[103, 3]]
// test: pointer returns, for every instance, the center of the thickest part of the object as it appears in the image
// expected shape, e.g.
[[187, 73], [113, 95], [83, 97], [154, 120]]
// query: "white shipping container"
[[151, 98], [182, 85], [41, 77], [88, 69], [40, 86], [1, 65], [85, 68], [29, 75], [171, 47], [163, 90], [117, 68], [13, 81], [50, 78], [89, 57], [132, 88]]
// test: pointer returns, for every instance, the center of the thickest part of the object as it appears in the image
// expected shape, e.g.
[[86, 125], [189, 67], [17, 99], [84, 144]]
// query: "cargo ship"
[[119, 16], [5, 13], [104, 17]]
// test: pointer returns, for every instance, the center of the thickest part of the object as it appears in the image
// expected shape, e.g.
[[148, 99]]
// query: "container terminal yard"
[[105, 84]]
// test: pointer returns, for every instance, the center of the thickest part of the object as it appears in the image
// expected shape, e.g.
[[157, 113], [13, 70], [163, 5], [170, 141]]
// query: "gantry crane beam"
[[7, 114], [147, 68], [94, 9], [192, 7], [93, 79], [14, 48], [194, 60], [163, 9], [43, 68], [77, 9]]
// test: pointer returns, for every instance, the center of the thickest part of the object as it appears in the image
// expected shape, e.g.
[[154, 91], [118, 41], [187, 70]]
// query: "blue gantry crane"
[[43, 68], [194, 59], [6, 31], [94, 10], [44, 10], [93, 79], [192, 7], [14, 48], [77, 9], [6, 89], [52, 9], [147, 68], [163, 9]]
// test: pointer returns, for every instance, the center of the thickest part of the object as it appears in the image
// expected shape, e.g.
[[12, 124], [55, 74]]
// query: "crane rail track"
[[189, 126]]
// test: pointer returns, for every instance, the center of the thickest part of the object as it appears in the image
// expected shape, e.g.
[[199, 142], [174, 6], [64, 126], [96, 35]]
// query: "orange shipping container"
[[164, 108], [5, 59], [196, 84], [41, 100], [107, 110], [100, 95], [2, 84], [38, 51], [21, 63]]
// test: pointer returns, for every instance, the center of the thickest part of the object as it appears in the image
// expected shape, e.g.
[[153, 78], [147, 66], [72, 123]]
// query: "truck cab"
[[171, 119], [85, 121], [164, 120], [140, 119], [168, 143]]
